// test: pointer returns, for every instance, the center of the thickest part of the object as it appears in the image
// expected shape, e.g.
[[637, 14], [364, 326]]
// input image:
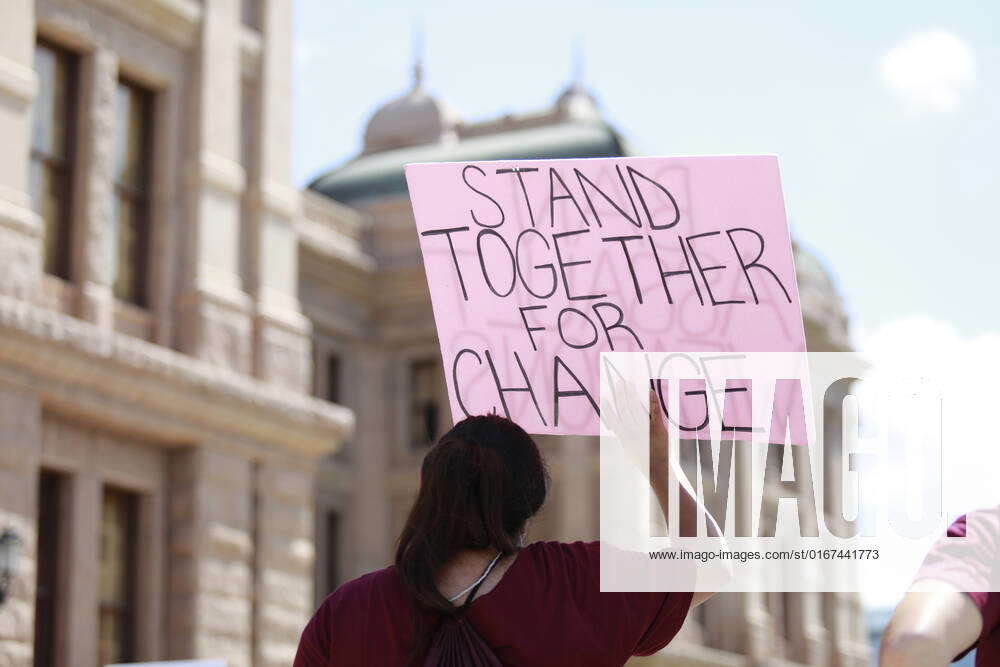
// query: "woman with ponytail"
[[465, 590]]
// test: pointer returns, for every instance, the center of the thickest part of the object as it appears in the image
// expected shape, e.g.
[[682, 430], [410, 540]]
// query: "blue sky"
[[883, 114]]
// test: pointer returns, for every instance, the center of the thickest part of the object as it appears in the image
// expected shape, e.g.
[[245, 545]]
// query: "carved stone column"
[[94, 246], [281, 333], [844, 617], [807, 638], [20, 226], [372, 439], [214, 312], [283, 562], [760, 631], [211, 556]]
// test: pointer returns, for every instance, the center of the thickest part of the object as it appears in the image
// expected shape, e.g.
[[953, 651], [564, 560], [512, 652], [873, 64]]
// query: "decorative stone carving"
[[20, 262]]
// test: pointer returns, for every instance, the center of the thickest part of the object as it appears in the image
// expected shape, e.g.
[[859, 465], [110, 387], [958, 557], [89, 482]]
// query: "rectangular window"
[[52, 139], [117, 576], [130, 216], [250, 13], [248, 122], [47, 603], [333, 378], [249, 92], [332, 551], [424, 376]]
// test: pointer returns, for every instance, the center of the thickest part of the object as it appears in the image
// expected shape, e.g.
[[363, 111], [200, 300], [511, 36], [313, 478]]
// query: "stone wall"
[[197, 403]]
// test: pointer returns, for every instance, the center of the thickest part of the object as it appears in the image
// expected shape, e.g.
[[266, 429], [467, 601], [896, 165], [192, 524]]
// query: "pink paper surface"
[[512, 315]]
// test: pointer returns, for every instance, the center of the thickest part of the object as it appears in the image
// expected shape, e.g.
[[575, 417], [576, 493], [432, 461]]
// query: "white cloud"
[[966, 370], [930, 70]]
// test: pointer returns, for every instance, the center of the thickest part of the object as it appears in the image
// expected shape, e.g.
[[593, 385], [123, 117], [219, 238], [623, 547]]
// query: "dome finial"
[[415, 117]]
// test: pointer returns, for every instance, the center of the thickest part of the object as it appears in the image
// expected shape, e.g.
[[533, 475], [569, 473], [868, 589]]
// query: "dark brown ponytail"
[[479, 485]]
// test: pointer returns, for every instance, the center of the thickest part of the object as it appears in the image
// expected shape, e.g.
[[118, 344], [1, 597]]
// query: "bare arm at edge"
[[933, 624]]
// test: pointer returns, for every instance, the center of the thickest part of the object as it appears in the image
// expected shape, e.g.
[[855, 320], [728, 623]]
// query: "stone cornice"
[[338, 217], [66, 357], [325, 322], [209, 169], [17, 81], [333, 232], [174, 21], [346, 276], [280, 199], [331, 247], [19, 216]]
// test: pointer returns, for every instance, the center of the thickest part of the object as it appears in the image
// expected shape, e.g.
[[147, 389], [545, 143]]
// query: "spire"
[[418, 53], [575, 101], [576, 56]]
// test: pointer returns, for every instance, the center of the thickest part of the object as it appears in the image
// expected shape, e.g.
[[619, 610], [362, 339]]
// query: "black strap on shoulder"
[[471, 595]]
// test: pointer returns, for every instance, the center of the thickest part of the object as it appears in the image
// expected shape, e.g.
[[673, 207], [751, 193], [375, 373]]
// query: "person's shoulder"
[[366, 588], [564, 556], [341, 617], [576, 549]]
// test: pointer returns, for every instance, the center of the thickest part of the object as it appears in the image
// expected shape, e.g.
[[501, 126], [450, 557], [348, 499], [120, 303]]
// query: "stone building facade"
[[215, 389], [157, 433]]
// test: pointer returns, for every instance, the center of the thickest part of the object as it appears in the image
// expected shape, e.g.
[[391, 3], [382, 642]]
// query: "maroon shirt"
[[972, 566], [547, 609]]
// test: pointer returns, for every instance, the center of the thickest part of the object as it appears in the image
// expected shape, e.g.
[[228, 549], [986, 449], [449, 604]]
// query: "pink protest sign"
[[537, 266]]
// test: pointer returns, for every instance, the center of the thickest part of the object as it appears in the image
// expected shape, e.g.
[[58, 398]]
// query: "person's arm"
[[659, 460], [933, 624]]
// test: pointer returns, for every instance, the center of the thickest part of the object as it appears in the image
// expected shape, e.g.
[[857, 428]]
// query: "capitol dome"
[[415, 118], [823, 311]]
